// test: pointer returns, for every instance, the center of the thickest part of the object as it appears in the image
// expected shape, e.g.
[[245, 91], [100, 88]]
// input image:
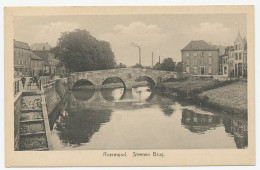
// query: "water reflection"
[[140, 119], [78, 127], [238, 129], [83, 95], [198, 123]]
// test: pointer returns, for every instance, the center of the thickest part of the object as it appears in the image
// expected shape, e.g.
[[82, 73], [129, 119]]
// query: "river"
[[140, 119]]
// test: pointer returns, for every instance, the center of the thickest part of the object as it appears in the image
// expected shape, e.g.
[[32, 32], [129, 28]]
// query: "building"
[[234, 62], [240, 56], [50, 62], [36, 65], [22, 59], [41, 47], [200, 58]]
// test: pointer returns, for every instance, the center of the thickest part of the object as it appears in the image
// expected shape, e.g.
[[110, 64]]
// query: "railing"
[[30, 85], [16, 87]]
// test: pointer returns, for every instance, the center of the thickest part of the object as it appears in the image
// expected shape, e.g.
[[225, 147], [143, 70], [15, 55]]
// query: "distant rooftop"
[[199, 45], [35, 57], [41, 47], [21, 45]]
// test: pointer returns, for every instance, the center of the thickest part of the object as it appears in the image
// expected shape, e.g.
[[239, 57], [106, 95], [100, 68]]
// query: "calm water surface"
[[140, 119]]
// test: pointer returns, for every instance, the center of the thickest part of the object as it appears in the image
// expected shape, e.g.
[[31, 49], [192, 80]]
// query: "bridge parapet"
[[127, 75]]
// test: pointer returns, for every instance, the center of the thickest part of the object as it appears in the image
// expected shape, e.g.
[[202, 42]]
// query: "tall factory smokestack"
[[152, 59], [139, 48], [139, 55]]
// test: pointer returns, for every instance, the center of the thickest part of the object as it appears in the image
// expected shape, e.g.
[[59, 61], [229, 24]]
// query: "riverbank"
[[232, 97], [229, 97]]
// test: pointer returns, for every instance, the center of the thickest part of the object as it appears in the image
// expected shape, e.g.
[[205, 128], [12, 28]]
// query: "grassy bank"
[[225, 96], [232, 97]]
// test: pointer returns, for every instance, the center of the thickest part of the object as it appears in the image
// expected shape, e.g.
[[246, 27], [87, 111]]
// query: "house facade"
[[36, 65], [22, 59], [200, 58], [50, 62], [240, 57], [234, 62]]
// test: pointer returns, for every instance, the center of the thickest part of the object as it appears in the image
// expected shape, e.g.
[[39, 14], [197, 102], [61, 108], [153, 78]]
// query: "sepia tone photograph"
[[131, 83]]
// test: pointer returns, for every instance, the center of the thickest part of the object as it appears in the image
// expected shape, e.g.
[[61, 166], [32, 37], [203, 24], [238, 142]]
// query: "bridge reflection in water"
[[140, 119]]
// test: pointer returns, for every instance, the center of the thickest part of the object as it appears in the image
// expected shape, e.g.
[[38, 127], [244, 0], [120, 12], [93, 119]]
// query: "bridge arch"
[[81, 83], [150, 80], [114, 78]]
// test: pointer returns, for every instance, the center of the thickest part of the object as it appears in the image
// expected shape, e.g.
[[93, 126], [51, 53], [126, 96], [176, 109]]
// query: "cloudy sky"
[[164, 35]]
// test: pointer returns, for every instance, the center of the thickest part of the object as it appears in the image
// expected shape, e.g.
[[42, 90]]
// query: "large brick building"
[[22, 59], [200, 58], [26, 63]]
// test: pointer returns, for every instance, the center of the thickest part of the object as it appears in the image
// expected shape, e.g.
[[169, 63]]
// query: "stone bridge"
[[127, 76]]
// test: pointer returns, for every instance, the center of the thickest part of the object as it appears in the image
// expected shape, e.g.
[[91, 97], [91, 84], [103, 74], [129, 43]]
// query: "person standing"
[[23, 81]]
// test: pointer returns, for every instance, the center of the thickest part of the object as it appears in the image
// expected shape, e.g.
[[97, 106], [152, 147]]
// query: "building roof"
[[21, 45], [41, 47], [35, 57], [44, 55], [222, 49], [199, 45]]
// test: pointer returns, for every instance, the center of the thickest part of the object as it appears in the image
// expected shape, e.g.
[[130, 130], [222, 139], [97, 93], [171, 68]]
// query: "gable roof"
[[239, 38], [41, 47], [35, 57], [21, 45], [199, 45], [45, 55]]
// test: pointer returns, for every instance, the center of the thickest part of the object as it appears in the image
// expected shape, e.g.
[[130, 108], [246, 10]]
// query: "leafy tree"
[[179, 67], [80, 51], [157, 66], [137, 66], [167, 64]]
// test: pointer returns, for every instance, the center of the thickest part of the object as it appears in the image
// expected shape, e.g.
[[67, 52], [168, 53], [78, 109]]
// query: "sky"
[[162, 35]]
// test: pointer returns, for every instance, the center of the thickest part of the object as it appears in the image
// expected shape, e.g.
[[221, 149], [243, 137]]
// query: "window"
[[236, 56], [202, 62], [188, 69], [195, 54], [201, 54], [210, 60], [210, 70], [195, 70], [187, 61], [210, 54], [240, 46], [195, 61], [240, 56], [187, 54]]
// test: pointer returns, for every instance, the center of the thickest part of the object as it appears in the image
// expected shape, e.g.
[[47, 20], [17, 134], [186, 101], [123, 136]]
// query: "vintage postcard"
[[129, 86]]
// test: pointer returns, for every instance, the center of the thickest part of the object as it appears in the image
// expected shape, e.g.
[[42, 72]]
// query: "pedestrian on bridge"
[[23, 81]]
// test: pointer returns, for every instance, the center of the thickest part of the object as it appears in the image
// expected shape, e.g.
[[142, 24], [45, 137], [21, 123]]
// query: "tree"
[[179, 67], [80, 51], [157, 66], [137, 66], [167, 64]]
